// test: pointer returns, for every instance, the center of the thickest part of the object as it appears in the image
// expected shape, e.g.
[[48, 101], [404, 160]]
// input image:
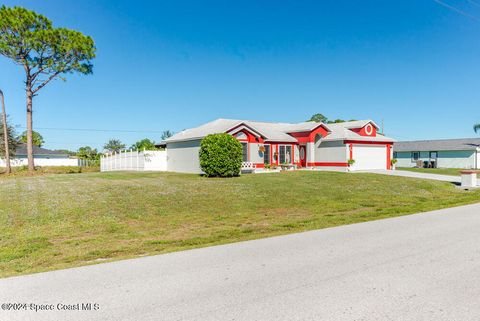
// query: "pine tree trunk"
[[8, 169], [31, 164]]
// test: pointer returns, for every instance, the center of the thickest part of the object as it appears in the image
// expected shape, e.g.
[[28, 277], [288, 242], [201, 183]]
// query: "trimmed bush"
[[220, 155]]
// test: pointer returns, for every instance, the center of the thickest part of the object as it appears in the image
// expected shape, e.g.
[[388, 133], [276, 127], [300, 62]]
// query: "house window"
[[266, 154], [241, 136], [433, 155], [244, 152], [415, 156], [285, 152], [394, 154]]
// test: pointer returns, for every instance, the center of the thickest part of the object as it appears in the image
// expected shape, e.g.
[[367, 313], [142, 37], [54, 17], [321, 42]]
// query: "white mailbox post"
[[469, 178]]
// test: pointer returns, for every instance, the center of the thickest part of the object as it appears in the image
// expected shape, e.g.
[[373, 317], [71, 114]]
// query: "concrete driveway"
[[436, 177], [417, 267]]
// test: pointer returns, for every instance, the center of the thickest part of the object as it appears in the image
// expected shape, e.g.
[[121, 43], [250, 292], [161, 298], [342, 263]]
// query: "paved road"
[[417, 267], [436, 177]]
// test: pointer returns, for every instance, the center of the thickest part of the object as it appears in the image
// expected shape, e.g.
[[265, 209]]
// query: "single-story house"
[[446, 153], [41, 157], [307, 144]]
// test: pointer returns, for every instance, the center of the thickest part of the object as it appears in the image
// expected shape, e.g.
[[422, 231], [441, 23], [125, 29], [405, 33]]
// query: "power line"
[[97, 130], [454, 9]]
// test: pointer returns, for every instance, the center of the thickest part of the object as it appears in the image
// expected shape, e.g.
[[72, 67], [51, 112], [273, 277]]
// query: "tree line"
[[86, 152]]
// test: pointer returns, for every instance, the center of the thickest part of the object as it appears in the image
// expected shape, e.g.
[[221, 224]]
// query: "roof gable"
[[278, 132]]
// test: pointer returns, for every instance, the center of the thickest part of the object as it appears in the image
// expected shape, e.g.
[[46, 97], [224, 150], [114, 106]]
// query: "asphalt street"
[[417, 267]]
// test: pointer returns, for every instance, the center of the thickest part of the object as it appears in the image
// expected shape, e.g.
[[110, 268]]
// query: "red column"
[[389, 161]]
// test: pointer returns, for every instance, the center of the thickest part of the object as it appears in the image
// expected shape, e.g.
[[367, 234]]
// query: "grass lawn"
[[58, 221], [43, 170], [439, 171]]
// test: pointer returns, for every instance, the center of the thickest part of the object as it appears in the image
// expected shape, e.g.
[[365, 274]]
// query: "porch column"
[[310, 149]]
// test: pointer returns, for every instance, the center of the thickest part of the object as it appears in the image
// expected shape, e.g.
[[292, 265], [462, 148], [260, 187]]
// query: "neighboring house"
[[308, 144], [42, 157], [447, 153]]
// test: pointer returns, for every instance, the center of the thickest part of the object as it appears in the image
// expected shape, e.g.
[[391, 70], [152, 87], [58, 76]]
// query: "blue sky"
[[177, 64]]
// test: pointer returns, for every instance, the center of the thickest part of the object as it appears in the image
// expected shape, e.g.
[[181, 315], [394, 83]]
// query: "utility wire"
[[96, 130], [454, 9]]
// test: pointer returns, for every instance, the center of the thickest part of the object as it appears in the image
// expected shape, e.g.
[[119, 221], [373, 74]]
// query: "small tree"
[[318, 118], [37, 139], [114, 145], [166, 134], [476, 127], [336, 121], [145, 143], [220, 155], [89, 154], [44, 52]]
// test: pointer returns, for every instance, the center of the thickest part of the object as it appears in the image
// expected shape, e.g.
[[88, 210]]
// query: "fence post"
[[138, 155]]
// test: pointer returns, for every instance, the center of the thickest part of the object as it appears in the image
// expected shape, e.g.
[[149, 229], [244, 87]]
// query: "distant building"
[[446, 153], [42, 157]]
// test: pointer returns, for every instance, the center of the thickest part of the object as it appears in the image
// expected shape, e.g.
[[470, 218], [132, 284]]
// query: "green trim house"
[[446, 153]]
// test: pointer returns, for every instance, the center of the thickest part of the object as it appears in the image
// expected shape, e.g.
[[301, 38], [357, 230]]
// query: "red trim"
[[330, 164], [250, 137], [389, 161], [248, 127], [259, 165], [363, 132], [366, 142], [351, 151], [281, 143], [303, 162]]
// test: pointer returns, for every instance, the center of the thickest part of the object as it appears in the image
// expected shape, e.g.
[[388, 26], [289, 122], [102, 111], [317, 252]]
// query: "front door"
[[303, 156]]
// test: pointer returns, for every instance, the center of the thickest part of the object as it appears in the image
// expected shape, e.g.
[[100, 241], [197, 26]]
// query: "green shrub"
[[220, 155]]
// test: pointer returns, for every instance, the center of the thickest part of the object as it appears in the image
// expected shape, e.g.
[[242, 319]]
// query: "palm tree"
[[8, 169], [476, 127]]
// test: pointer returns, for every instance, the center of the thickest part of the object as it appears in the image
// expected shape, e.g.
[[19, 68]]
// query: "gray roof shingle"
[[276, 132], [437, 145], [22, 150]]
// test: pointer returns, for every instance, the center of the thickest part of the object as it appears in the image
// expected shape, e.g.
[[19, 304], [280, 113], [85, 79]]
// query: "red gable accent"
[[250, 137], [367, 130], [309, 136]]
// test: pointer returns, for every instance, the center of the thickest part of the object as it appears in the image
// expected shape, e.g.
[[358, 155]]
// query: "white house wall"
[[296, 152], [183, 157], [255, 155], [331, 152]]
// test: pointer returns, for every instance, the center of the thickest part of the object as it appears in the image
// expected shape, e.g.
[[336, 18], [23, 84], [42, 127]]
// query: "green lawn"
[[57, 221], [440, 171]]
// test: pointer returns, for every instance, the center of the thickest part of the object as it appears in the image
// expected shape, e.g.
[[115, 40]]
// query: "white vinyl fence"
[[146, 160]]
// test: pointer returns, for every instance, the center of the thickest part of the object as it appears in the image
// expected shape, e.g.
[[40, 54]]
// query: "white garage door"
[[370, 157]]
